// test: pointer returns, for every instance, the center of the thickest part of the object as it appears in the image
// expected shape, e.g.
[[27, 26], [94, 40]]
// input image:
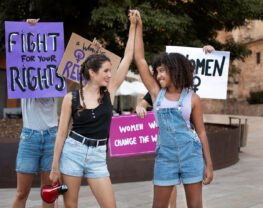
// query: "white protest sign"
[[211, 70]]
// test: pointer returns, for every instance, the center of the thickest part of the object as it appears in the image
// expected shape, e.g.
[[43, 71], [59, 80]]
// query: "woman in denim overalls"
[[182, 155]]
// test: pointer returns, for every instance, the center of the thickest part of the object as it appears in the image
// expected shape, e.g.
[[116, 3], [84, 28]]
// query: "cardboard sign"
[[211, 70], [78, 49], [33, 54], [131, 135]]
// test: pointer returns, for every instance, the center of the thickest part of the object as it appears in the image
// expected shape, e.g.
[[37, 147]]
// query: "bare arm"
[[123, 68], [65, 117], [141, 108], [197, 117], [141, 63]]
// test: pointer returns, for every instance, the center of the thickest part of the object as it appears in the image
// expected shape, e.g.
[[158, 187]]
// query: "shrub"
[[255, 97]]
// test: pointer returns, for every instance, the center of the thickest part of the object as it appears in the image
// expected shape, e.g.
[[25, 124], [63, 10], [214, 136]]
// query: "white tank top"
[[39, 113]]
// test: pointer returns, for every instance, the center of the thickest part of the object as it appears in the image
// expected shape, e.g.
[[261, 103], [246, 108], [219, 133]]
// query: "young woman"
[[36, 146], [84, 151], [141, 110], [182, 153]]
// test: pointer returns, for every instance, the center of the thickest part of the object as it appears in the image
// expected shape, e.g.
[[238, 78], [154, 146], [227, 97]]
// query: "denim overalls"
[[179, 153]]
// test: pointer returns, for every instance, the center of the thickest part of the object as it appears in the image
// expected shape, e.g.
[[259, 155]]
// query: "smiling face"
[[103, 75], [173, 70], [163, 76]]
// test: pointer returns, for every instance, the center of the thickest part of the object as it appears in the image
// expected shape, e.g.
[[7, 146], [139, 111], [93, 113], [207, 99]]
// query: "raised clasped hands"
[[32, 21]]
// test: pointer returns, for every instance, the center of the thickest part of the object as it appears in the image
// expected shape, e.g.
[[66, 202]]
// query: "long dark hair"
[[180, 68], [94, 63]]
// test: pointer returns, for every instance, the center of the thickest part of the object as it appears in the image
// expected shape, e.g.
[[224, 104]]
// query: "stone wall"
[[231, 106]]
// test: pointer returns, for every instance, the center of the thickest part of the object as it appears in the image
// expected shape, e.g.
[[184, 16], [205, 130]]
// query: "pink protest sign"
[[131, 135]]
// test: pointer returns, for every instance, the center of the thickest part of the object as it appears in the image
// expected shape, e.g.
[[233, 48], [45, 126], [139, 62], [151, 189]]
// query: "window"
[[258, 57]]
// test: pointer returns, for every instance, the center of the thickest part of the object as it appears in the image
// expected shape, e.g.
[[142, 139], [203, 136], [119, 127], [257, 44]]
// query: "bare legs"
[[193, 193], [24, 182], [103, 191], [100, 187]]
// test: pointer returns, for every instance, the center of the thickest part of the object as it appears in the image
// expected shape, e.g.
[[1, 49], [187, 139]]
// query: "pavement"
[[238, 186]]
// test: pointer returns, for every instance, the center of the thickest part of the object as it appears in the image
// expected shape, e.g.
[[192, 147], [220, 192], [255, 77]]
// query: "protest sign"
[[33, 54], [211, 70], [131, 135], [78, 49]]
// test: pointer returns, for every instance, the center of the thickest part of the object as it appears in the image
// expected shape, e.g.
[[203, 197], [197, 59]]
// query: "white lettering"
[[154, 138], [134, 127], [152, 125], [144, 139], [125, 142]]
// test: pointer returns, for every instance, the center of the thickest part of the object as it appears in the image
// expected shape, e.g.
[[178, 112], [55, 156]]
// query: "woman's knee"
[[21, 195]]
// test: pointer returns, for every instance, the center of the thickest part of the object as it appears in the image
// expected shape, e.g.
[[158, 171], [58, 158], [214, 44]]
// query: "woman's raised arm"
[[141, 63], [123, 68]]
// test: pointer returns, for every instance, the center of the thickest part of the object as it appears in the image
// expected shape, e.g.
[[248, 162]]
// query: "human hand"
[[141, 111], [208, 175], [96, 45], [208, 49], [32, 21], [55, 176], [137, 15], [132, 17]]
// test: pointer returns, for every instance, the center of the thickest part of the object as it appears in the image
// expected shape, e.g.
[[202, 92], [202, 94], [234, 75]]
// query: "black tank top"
[[92, 123]]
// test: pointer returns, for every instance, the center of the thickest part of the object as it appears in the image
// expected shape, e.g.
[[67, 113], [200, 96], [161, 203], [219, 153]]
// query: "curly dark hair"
[[180, 69], [94, 63]]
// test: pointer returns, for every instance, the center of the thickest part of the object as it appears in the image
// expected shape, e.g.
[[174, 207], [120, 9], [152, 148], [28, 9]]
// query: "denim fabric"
[[35, 152], [78, 159], [179, 155]]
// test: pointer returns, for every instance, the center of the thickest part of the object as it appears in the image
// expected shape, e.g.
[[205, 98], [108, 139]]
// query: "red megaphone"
[[49, 194]]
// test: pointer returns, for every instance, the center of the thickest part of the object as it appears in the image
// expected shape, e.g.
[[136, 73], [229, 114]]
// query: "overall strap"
[[161, 95], [182, 96]]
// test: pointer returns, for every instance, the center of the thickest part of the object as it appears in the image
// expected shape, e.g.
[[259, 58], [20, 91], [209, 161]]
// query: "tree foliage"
[[174, 22]]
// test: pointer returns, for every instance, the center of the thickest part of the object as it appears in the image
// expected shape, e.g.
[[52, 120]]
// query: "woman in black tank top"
[[90, 107]]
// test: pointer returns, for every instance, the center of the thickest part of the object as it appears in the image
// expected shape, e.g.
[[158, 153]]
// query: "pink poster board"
[[131, 135]]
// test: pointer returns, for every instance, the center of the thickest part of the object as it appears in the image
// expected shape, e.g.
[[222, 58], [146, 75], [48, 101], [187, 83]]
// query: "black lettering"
[[89, 48], [23, 47], [51, 77], [34, 79], [54, 36], [10, 41], [62, 85], [24, 70], [207, 67], [30, 43], [200, 64], [53, 58], [42, 78], [219, 69], [16, 79], [196, 84], [43, 42], [192, 62]]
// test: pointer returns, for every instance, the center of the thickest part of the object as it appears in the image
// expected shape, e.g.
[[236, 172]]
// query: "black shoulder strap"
[[75, 100]]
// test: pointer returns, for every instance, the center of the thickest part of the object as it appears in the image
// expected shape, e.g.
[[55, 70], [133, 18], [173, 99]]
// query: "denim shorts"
[[35, 151], [78, 159], [174, 165]]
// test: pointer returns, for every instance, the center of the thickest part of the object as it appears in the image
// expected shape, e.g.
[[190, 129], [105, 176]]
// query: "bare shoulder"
[[195, 99], [68, 99]]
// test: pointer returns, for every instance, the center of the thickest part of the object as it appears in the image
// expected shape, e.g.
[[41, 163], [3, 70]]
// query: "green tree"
[[175, 22]]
